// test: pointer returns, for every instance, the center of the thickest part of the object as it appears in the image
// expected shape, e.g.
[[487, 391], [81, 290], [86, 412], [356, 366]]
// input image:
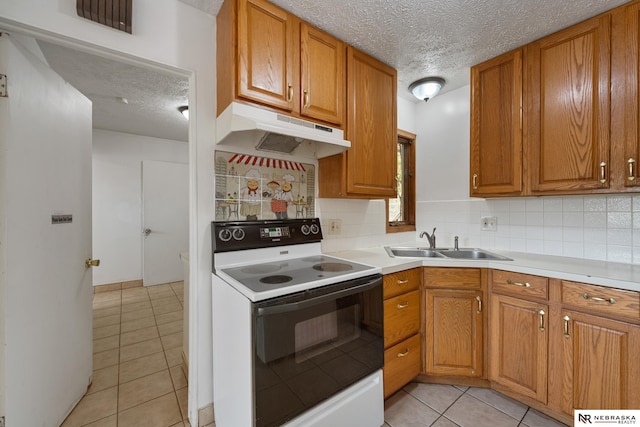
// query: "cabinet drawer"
[[401, 317], [401, 364], [615, 302], [449, 277], [520, 285], [401, 282]]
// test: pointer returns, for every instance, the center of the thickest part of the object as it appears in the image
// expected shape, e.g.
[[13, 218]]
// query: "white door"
[[45, 141], [165, 220]]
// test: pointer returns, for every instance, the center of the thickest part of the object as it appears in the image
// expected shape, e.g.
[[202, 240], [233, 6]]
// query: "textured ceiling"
[[152, 97]]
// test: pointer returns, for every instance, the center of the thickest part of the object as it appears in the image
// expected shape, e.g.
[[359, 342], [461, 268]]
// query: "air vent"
[[112, 13]]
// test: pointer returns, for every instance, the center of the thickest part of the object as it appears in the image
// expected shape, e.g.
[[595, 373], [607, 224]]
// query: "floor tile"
[[107, 288], [107, 343], [172, 341], [144, 389], [164, 301], [534, 418], [403, 410], [499, 401], [97, 305], [106, 331], [133, 325], [438, 397], [136, 305], [167, 308], [132, 284], [183, 396], [170, 328], [104, 378], [105, 359], [107, 296], [160, 412], [134, 292], [111, 421], [137, 314], [93, 407], [178, 378], [142, 366], [102, 312], [174, 356], [139, 335], [468, 411], [168, 317], [100, 322], [140, 349], [444, 422]]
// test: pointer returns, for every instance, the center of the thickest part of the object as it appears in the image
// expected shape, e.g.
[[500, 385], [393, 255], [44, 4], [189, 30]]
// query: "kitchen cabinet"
[[518, 325], [454, 322], [368, 168], [268, 56], [626, 88], [567, 109], [402, 338], [496, 126]]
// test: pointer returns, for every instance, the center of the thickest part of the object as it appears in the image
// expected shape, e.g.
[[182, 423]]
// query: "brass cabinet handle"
[[91, 262], [404, 305], [406, 352], [541, 313], [479, 304], [631, 176], [402, 281], [566, 326], [306, 98], [609, 300], [475, 181], [511, 282], [603, 172], [290, 93]]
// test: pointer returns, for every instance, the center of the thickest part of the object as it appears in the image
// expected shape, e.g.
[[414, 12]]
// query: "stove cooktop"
[[270, 276]]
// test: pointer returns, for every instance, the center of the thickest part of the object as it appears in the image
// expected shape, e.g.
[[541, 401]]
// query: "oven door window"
[[307, 350]]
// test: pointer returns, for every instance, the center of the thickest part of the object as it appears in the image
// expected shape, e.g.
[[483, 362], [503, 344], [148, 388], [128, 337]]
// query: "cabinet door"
[[567, 112], [266, 54], [371, 126], [454, 325], [601, 369], [322, 64], [496, 126], [630, 163], [518, 346]]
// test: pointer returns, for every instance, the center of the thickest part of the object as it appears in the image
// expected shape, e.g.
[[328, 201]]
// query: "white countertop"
[[617, 275]]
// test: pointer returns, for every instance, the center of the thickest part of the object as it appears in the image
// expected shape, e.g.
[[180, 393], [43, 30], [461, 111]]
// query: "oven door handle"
[[294, 306]]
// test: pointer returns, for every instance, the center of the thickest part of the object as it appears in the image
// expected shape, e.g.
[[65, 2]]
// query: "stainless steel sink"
[[413, 252], [465, 253]]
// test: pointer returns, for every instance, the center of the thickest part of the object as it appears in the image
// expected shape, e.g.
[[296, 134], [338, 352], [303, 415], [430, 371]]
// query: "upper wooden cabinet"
[[626, 87], [268, 56], [368, 168], [496, 126], [567, 111]]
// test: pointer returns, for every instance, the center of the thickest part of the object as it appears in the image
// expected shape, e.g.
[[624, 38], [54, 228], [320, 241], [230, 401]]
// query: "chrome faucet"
[[455, 243], [431, 237]]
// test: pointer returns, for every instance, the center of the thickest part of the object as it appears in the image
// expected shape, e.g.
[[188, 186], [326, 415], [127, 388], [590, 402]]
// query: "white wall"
[[117, 199], [173, 34], [592, 227]]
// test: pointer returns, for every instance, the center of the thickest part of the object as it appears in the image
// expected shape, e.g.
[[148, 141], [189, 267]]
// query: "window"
[[401, 211]]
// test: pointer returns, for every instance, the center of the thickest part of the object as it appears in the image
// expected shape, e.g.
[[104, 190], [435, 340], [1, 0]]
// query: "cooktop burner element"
[[333, 266], [278, 278]]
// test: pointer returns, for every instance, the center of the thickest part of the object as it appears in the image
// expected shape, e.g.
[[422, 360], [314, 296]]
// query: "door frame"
[[40, 34]]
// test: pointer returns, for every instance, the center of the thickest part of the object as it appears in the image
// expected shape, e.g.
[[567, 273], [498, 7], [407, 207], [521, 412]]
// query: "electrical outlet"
[[489, 223], [335, 226]]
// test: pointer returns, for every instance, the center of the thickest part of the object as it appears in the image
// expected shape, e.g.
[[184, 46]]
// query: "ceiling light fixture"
[[185, 111], [427, 88]]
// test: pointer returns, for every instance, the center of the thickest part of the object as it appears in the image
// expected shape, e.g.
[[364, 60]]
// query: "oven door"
[[311, 345]]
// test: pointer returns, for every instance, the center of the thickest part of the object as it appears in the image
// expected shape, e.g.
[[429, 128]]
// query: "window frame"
[[410, 179]]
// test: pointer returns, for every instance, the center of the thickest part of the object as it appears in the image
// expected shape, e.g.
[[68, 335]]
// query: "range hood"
[[249, 127]]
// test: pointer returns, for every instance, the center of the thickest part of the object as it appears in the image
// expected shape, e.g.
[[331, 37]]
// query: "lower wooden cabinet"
[[402, 327]]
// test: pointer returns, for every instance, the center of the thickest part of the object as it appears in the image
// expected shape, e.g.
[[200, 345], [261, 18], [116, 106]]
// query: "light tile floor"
[[421, 405], [138, 379], [137, 360]]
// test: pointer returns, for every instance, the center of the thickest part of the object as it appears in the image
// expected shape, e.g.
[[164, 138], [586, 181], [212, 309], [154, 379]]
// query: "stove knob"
[[224, 235], [238, 234], [315, 229], [305, 229]]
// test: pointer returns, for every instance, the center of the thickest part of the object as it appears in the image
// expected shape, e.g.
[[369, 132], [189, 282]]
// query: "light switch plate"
[[489, 223]]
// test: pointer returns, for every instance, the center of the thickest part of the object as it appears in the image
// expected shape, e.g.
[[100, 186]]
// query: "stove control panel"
[[239, 235]]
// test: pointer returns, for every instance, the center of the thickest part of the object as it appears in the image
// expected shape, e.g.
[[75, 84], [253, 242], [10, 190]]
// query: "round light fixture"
[[427, 88], [185, 111]]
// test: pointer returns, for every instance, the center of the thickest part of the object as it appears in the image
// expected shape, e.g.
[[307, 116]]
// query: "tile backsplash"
[[593, 227]]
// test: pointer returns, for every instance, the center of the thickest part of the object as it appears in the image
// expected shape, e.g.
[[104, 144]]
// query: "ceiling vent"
[[112, 13]]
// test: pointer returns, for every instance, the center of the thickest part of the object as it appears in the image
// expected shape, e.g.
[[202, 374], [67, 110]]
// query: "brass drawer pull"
[[479, 304], [290, 93], [631, 176], [566, 326], [403, 305], [406, 352], [402, 281], [475, 181], [306, 98], [511, 282], [541, 313], [609, 300], [603, 172]]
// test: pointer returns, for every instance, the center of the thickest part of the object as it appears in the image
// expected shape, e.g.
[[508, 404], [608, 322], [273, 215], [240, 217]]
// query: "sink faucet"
[[431, 237], [455, 243]]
